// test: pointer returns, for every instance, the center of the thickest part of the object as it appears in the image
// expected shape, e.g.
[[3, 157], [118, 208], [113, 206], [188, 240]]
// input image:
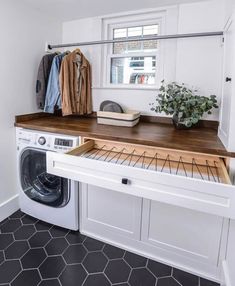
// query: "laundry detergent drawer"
[[191, 180]]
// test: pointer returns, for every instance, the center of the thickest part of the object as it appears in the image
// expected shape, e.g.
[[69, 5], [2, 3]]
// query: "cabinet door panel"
[[195, 235], [111, 211]]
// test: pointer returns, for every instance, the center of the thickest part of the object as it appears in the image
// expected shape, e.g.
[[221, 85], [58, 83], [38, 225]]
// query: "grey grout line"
[[177, 281], [107, 278], [129, 277]]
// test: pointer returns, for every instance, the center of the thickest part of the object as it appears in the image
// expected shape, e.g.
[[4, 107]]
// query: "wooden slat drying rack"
[[124, 40]]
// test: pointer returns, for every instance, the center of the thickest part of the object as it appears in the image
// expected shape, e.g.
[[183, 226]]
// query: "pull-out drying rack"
[[207, 170], [204, 167], [186, 179]]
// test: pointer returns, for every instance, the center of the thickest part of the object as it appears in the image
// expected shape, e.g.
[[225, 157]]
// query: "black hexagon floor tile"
[[27, 278], [2, 222], [16, 250], [159, 269], [74, 254], [205, 282], [9, 270], [185, 278], [97, 280], [95, 262], [24, 232], [117, 271], [135, 260], [56, 246], [113, 252], [56, 231], [1, 257], [17, 214], [42, 225], [33, 258], [93, 244], [39, 239], [51, 282], [167, 281], [10, 225], [73, 275], [29, 220], [52, 267], [5, 240], [75, 237], [64, 257], [141, 277]]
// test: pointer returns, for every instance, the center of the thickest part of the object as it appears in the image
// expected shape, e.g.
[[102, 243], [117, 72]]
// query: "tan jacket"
[[75, 84]]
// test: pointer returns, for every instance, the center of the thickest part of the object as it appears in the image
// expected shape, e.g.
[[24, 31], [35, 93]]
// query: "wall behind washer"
[[23, 33], [195, 61]]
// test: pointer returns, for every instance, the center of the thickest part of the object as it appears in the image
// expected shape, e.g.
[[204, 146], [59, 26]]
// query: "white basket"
[[128, 119]]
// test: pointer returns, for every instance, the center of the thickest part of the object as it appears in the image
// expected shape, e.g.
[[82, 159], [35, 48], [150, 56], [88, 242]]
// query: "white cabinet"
[[165, 204], [227, 114], [107, 212], [189, 234], [167, 233]]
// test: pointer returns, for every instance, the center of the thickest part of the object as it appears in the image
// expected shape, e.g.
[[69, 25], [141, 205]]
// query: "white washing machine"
[[44, 196]]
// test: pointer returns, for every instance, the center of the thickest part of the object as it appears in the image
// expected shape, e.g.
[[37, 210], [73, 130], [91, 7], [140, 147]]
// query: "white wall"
[[229, 7], [200, 60], [197, 61], [23, 35]]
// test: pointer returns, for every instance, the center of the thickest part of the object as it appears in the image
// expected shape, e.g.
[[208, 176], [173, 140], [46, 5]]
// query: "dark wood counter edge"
[[27, 122], [143, 118]]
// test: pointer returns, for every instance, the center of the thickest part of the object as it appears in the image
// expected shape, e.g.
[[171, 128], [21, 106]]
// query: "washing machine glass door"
[[37, 184]]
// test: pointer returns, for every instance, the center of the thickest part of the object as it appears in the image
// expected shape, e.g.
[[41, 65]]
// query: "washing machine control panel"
[[48, 141]]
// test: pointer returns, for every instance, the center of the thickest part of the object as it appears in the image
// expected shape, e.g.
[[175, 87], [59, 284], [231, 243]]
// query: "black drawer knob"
[[125, 181], [228, 79]]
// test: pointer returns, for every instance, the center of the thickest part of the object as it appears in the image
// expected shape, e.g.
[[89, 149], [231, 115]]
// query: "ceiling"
[[66, 10]]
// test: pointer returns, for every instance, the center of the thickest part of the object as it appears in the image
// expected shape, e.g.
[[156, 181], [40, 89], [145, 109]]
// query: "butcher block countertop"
[[201, 139]]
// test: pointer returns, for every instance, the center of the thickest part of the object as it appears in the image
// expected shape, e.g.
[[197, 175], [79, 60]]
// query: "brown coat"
[[75, 91]]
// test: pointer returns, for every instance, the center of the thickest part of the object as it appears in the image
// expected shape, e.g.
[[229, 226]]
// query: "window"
[[133, 64]]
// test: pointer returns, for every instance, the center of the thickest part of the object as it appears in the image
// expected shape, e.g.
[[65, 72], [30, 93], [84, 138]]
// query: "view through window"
[[134, 62]]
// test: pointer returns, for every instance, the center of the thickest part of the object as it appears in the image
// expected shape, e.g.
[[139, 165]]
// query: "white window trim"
[[108, 24]]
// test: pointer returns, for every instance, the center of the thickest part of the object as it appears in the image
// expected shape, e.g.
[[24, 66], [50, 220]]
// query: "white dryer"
[[41, 195]]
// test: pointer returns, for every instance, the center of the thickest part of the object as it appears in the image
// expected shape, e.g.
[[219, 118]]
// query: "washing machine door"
[[37, 184]]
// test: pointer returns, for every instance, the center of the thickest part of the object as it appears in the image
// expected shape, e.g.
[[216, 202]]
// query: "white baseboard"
[[226, 276], [9, 207]]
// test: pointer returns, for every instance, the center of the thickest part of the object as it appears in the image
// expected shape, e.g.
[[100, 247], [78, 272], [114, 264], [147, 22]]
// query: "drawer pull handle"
[[125, 181]]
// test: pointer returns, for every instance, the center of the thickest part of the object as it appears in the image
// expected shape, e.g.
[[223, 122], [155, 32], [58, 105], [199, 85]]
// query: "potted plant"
[[184, 104]]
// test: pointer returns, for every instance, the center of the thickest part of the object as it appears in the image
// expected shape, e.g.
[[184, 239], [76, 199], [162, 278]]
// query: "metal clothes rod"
[[161, 37]]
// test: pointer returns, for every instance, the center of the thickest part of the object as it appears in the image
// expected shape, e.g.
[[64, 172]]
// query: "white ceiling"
[[66, 10]]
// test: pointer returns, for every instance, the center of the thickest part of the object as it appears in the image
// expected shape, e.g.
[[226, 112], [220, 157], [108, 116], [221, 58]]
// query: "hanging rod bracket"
[[147, 38]]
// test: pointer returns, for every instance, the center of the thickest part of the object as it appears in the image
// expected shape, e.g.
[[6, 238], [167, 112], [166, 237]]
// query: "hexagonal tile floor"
[[35, 253]]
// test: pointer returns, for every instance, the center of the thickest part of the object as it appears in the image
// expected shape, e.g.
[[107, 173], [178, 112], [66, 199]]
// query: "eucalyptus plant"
[[183, 103]]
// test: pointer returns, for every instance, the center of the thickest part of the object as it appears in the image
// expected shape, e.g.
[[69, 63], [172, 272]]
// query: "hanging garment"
[[53, 96], [42, 79], [75, 84]]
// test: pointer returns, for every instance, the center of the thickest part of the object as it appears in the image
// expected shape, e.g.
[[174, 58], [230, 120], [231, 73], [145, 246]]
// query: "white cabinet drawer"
[[190, 180]]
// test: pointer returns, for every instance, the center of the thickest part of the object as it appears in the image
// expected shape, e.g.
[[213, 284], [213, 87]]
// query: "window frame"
[[143, 19]]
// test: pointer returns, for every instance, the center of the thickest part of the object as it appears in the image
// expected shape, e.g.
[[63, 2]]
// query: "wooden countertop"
[[201, 140]]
